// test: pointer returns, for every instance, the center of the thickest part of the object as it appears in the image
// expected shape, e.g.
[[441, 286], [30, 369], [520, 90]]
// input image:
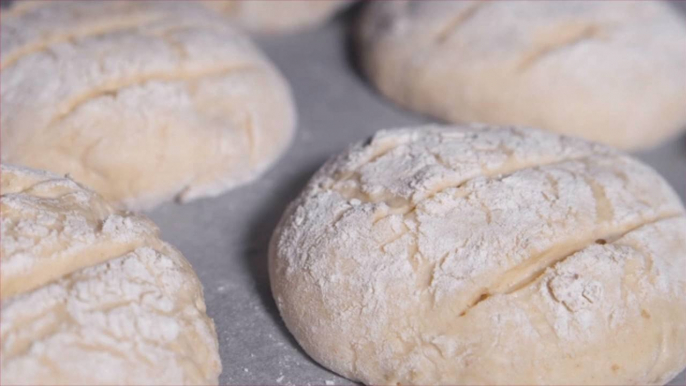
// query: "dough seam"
[[46, 43], [608, 238], [495, 175], [587, 33], [449, 29], [114, 87]]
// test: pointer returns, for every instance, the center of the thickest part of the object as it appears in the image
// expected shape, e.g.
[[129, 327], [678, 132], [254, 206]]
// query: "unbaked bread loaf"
[[142, 101], [280, 16], [484, 255], [608, 71], [91, 295]]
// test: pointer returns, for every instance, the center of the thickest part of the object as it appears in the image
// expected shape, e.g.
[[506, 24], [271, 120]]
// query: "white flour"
[[91, 295], [393, 245]]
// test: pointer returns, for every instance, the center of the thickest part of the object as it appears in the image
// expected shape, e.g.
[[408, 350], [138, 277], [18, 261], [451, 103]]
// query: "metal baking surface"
[[226, 238]]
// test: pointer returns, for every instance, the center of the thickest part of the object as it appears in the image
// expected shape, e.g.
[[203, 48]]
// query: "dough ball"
[[269, 16], [142, 101], [91, 295], [485, 255], [608, 71]]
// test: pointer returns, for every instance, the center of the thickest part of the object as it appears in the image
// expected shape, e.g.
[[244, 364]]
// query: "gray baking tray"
[[226, 238]]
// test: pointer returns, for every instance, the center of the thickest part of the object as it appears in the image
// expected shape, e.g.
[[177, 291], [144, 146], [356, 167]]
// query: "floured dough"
[[91, 295], [484, 255], [273, 16], [608, 71], [142, 101]]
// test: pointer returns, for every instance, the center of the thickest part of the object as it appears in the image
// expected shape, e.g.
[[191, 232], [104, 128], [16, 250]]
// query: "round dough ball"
[[91, 295], [608, 71], [142, 101], [269, 16], [483, 255]]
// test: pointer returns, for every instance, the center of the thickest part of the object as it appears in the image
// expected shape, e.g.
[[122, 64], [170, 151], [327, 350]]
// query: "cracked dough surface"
[[606, 71], [279, 16], [91, 295], [485, 255], [142, 101]]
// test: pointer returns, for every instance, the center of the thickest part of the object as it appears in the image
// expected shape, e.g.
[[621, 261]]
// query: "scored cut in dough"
[[143, 101], [606, 71], [485, 255], [91, 295], [269, 16]]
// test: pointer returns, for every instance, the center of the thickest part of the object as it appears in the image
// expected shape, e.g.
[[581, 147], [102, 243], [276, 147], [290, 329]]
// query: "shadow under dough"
[[351, 17], [259, 234]]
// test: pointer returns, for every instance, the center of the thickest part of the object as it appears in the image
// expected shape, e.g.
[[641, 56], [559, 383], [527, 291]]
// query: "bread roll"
[[91, 295], [485, 255], [143, 101], [608, 71]]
